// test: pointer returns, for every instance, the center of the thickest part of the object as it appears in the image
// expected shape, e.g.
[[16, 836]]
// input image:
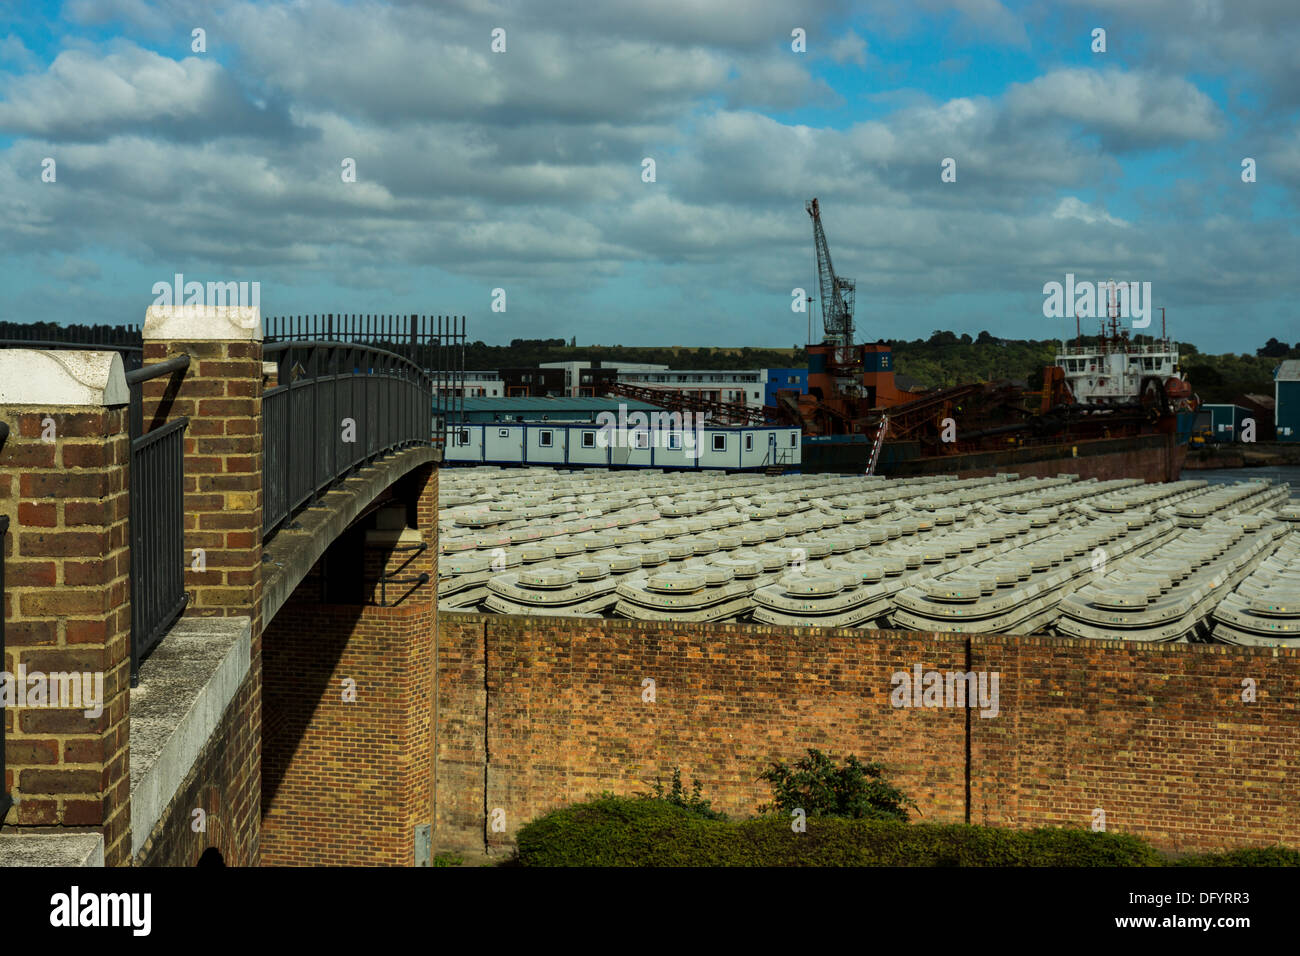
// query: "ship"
[[1116, 406]]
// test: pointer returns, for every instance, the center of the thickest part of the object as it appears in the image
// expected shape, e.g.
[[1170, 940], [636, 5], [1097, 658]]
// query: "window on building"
[[462, 437], [749, 443], [719, 442], [588, 439], [674, 440], [642, 439], [794, 440], [545, 438], [503, 433]]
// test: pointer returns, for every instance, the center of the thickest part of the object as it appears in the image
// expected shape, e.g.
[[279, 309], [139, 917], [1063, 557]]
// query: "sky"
[[524, 169]]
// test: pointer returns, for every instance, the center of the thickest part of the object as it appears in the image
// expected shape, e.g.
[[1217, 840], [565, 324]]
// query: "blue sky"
[[522, 170]]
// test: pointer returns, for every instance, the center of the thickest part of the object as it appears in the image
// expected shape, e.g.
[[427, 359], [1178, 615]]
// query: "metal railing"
[[125, 339], [335, 407], [5, 800], [435, 343], [157, 519]]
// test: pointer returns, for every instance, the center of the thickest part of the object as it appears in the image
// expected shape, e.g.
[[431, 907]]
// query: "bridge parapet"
[[63, 487], [132, 497]]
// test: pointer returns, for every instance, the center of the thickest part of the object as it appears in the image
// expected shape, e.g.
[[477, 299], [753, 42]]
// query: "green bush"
[[1270, 856], [856, 791], [614, 831], [676, 795]]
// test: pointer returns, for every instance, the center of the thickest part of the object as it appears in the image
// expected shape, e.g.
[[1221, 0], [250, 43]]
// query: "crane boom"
[[837, 293]]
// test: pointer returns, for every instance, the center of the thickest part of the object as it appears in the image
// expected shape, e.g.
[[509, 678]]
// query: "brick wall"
[[220, 784], [346, 782], [536, 713], [221, 394], [67, 606], [1158, 737]]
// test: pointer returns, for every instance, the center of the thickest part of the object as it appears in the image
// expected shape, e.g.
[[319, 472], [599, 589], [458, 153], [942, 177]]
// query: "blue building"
[[1223, 421], [796, 378], [1286, 395]]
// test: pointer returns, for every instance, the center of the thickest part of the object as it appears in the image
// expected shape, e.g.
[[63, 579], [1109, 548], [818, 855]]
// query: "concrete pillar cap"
[[197, 323], [58, 377]]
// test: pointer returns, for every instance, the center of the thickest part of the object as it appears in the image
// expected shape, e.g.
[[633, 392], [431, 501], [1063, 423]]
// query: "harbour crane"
[[837, 293]]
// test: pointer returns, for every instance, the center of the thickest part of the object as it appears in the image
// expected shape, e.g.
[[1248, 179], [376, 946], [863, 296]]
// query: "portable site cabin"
[[581, 444]]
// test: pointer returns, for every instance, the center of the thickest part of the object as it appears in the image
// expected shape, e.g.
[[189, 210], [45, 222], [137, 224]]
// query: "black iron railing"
[[436, 343], [5, 800], [157, 520], [335, 407], [46, 335]]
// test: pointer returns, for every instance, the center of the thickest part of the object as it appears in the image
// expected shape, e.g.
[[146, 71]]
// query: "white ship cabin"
[[1111, 371]]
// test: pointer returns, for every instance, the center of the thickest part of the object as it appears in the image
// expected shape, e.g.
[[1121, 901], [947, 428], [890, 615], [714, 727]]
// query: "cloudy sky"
[[523, 169]]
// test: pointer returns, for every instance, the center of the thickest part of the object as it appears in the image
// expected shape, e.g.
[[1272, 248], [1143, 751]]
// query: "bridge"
[[218, 566]]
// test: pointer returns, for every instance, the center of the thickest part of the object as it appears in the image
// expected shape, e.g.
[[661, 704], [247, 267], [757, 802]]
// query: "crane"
[[837, 292]]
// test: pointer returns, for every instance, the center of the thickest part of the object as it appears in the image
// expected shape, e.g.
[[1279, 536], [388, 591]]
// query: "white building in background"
[[740, 387], [581, 378], [478, 384]]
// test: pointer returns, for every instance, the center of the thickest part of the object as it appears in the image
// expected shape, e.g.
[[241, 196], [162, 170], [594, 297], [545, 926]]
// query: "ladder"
[[877, 444]]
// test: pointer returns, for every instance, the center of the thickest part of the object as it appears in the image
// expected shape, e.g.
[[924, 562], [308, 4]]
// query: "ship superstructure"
[[1114, 369]]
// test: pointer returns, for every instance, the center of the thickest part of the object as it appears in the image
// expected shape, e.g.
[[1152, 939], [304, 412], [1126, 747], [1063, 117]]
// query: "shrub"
[[856, 791], [676, 796], [1269, 856], [613, 831]]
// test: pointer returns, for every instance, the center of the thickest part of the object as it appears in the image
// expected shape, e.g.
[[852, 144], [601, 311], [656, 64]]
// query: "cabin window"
[[674, 441], [462, 437], [794, 439], [642, 439], [503, 433], [719, 442], [749, 443], [545, 439], [588, 439]]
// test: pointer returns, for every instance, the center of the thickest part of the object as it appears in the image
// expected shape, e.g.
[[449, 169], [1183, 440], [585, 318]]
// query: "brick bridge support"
[[348, 747]]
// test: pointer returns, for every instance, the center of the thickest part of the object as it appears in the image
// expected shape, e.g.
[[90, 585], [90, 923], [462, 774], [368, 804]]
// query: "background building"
[[1286, 396]]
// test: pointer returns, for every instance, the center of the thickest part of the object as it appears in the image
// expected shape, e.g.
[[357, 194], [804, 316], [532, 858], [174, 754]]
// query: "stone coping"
[[185, 687], [200, 323], [67, 378], [19, 847]]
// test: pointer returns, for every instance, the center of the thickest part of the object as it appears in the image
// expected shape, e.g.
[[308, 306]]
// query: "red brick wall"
[[1156, 737], [221, 783], [68, 609], [221, 393], [346, 783]]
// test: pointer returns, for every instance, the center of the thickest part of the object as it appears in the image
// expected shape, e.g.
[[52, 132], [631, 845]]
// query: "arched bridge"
[[219, 633]]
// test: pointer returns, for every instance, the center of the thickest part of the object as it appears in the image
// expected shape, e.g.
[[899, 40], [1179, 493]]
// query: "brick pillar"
[[221, 393], [64, 486], [348, 775]]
